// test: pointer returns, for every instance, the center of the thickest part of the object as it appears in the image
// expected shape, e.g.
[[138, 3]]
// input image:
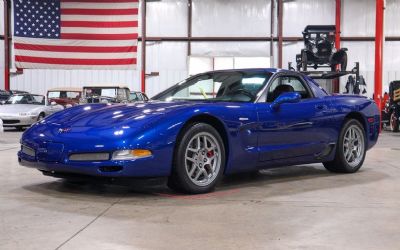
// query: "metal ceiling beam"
[[260, 39]]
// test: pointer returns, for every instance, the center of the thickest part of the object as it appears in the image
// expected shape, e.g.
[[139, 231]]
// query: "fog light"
[[131, 154]]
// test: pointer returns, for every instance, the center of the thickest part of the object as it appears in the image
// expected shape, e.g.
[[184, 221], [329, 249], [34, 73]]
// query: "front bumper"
[[144, 167], [12, 121]]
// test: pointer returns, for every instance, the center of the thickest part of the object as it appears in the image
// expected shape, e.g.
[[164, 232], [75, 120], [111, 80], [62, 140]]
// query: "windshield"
[[106, 92], [17, 99], [233, 86], [63, 94], [26, 99]]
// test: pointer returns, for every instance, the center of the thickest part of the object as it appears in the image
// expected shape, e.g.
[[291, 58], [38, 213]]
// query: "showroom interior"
[[92, 94]]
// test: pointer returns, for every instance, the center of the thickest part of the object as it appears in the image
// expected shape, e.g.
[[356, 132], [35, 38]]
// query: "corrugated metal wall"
[[232, 18]]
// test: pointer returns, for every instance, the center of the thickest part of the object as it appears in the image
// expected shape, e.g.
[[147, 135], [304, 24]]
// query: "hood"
[[17, 108], [103, 115]]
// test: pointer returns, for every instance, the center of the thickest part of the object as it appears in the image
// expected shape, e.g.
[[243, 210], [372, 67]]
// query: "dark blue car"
[[209, 125]]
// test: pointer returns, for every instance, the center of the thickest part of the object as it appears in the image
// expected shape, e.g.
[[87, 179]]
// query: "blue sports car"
[[209, 125]]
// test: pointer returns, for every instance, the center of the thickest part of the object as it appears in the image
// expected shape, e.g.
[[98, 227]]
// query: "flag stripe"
[[104, 18], [29, 65], [133, 11], [76, 61], [99, 36], [97, 5], [84, 49], [77, 43], [99, 24], [97, 31], [69, 55]]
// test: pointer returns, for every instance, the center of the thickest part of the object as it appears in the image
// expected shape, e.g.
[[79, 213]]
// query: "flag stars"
[[35, 18]]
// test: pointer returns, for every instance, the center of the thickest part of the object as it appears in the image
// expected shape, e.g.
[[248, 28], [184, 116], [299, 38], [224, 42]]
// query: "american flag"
[[76, 34]]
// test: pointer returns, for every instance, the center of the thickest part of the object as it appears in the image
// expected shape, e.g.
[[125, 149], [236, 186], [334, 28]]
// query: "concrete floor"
[[302, 207]]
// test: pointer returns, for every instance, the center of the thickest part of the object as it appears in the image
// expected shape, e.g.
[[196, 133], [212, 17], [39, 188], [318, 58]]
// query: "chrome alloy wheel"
[[203, 159], [353, 146]]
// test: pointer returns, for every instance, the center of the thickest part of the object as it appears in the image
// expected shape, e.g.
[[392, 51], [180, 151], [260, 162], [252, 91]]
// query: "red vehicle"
[[66, 97]]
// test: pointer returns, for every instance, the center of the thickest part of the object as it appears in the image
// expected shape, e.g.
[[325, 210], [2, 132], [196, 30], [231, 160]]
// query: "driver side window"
[[285, 84]]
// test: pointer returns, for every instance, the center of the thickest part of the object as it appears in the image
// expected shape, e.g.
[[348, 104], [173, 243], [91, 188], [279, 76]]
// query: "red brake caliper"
[[210, 154]]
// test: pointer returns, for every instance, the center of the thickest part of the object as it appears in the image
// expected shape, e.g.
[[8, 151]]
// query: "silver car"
[[25, 109]]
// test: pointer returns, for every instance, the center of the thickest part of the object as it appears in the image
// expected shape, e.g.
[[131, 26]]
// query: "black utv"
[[320, 51], [391, 111]]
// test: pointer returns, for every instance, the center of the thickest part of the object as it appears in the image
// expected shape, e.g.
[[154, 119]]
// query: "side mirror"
[[288, 97]]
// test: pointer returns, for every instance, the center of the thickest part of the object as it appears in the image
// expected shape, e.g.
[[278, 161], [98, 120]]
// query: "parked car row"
[[21, 109]]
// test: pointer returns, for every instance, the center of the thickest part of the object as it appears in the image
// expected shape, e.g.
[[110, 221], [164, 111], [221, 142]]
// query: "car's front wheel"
[[199, 160], [40, 117], [350, 149]]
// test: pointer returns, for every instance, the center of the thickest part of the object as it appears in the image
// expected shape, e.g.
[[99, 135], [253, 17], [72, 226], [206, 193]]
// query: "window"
[[285, 84], [234, 86], [38, 100]]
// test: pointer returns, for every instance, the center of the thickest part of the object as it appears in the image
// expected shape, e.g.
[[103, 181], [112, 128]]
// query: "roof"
[[320, 28], [249, 70], [72, 89], [107, 86]]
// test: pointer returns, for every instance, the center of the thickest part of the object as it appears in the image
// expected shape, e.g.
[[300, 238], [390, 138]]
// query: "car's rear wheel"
[[350, 150], [394, 123], [199, 160]]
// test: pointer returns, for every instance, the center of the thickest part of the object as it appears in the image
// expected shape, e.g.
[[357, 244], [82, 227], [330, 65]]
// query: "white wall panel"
[[170, 60], [300, 13], [392, 18], [1, 18], [167, 18], [231, 18], [39, 81], [230, 49], [358, 18]]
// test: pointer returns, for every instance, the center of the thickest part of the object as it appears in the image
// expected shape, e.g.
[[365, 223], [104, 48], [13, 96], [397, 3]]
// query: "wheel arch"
[[359, 117], [212, 121]]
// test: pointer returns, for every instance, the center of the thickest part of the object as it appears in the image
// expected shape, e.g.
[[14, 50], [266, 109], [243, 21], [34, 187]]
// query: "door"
[[294, 129]]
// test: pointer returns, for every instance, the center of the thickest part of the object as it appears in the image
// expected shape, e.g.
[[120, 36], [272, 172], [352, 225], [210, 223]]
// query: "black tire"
[[394, 123], [41, 117], [179, 179], [304, 61], [340, 164], [343, 63]]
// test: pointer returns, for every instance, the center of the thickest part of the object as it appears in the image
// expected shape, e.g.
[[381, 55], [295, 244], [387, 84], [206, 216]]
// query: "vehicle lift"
[[354, 82]]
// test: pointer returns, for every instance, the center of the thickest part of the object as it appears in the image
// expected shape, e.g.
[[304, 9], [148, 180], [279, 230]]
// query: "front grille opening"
[[90, 157], [7, 122], [110, 168]]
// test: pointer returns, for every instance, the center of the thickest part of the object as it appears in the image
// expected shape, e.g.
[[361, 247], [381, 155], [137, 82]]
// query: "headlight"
[[314, 50], [131, 154]]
